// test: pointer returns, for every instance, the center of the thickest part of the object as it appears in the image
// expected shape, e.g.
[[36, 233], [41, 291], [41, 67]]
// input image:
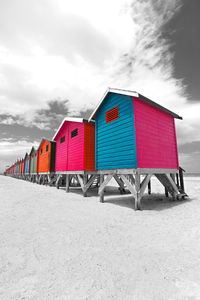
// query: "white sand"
[[55, 245]]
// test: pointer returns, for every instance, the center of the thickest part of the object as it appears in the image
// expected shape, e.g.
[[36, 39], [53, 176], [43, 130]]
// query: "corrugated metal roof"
[[133, 94]]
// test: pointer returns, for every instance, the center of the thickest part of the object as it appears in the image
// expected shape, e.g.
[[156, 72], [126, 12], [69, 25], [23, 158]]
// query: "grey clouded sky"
[[57, 57]]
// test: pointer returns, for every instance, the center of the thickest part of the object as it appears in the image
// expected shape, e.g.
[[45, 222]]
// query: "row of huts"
[[71, 149], [126, 137]]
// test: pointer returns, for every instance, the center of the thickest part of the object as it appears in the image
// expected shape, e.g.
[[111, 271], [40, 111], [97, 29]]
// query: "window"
[[74, 133], [112, 114], [47, 148], [41, 151], [62, 139]]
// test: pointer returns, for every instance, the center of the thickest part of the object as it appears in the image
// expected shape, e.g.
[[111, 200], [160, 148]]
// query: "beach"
[[58, 245]]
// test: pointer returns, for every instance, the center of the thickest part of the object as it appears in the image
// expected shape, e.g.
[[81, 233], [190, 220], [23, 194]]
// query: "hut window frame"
[[62, 140], [47, 147], [41, 151], [74, 133], [112, 114]]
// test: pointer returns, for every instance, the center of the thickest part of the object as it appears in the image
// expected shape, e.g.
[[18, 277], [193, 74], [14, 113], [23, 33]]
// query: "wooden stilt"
[[89, 182], [129, 185], [80, 180], [166, 193], [177, 181], [57, 181], [101, 193], [144, 184], [84, 184], [67, 183], [137, 197], [120, 183], [181, 179], [149, 187]]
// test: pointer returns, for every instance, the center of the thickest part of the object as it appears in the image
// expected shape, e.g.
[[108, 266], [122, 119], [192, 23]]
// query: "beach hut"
[[13, 169], [33, 161], [26, 164], [46, 156], [23, 165], [75, 145], [135, 136], [17, 168], [20, 166], [75, 150]]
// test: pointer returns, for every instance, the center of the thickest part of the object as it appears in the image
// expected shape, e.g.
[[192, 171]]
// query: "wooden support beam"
[[105, 182], [84, 184], [89, 182], [172, 183], [132, 178], [57, 181], [138, 196], [149, 187], [177, 181], [181, 179], [120, 183], [129, 185], [67, 183], [80, 179], [144, 184], [102, 191]]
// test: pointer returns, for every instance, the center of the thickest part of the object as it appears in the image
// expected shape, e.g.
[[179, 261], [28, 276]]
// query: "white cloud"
[[76, 49], [9, 147], [11, 150]]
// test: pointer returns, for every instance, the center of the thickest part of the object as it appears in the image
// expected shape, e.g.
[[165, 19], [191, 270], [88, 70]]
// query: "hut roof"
[[32, 150], [133, 94], [70, 119], [43, 139]]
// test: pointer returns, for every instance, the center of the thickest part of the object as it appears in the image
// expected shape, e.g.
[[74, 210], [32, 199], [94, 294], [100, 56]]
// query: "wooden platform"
[[131, 179], [135, 180]]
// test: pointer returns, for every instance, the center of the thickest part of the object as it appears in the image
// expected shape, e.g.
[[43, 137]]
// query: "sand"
[[62, 246]]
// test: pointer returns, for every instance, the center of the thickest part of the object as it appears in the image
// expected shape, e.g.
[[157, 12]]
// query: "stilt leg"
[[67, 183], [84, 184], [102, 192], [57, 181], [177, 181], [138, 197], [149, 187]]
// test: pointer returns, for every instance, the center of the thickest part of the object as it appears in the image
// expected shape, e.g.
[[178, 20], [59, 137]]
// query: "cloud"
[[190, 148], [51, 117], [45, 118], [78, 50], [61, 49], [11, 150]]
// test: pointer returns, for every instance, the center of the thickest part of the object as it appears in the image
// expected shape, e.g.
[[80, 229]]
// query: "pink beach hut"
[[75, 145]]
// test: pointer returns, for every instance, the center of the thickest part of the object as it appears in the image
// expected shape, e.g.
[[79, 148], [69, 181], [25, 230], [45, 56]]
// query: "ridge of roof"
[[133, 94]]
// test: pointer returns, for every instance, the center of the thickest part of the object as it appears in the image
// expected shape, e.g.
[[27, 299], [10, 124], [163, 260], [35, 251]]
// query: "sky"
[[57, 58]]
